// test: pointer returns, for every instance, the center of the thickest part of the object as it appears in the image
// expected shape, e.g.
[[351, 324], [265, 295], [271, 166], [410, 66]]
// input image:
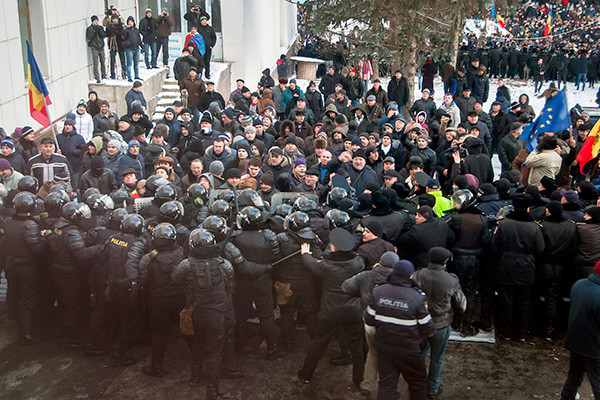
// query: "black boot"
[[155, 369], [227, 368]]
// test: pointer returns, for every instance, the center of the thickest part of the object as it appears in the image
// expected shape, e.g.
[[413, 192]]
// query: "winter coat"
[[72, 145], [465, 105], [360, 179], [164, 26], [131, 39], [516, 244], [128, 160], [588, 247], [443, 291], [372, 251], [112, 162], [182, 66], [131, 96], [362, 284], [148, 29], [423, 237], [209, 35], [354, 87], [560, 238], [95, 35], [84, 125], [583, 333], [334, 269], [508, 148], [314, 101], [103, 123], [16, 161], [480, 87], [454, 112], [55, 168], [106, 182], [398, 90], [544, 163], [328, 83], [381, 97], [208, 97], [195, 89], [421, 105]]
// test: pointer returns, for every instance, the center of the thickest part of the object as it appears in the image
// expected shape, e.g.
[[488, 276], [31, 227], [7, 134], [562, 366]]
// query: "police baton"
[[286, 258]]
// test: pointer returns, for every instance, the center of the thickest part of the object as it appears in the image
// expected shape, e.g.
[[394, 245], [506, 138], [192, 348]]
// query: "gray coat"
[[362, 284]]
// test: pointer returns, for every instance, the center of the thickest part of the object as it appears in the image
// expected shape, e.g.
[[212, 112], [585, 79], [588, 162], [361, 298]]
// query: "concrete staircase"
[[169, 93]]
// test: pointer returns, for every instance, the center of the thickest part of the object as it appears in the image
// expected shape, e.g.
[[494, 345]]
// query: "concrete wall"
[[255, 33]]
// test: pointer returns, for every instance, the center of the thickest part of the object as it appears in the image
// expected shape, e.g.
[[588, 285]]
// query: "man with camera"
[[165, 23], [193, 16], [95, 38]]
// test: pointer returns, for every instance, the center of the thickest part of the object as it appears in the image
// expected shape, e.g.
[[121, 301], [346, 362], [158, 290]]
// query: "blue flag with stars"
[[553, 118]]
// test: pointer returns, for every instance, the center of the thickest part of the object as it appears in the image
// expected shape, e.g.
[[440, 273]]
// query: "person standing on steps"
[[164, 25], [210, 39], [149, 31], [95, 35]]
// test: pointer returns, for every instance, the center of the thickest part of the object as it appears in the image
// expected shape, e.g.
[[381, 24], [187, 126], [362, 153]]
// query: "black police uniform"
[[205, 279], [254, 283], [22, 245], [70, 275]]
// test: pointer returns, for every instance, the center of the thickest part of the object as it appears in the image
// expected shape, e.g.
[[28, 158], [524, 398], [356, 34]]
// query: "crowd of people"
[[325, 203], [568, 53]]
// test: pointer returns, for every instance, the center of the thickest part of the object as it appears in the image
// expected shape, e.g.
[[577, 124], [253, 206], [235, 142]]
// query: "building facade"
[[251, 36]]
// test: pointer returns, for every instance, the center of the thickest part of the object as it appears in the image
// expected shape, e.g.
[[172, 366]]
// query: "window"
[[24, 30], [174, 9]]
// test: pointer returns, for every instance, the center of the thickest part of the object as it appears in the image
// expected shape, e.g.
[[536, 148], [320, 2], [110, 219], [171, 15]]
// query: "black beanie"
[[380, 199], [427, 200], [96, 163], [555, 208], [375, 227], [461, 182], [439, 255], [522, 201]]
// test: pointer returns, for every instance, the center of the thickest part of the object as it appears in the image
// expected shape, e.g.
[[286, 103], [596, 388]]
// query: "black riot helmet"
[[55, 201], [228, 195], [216, 225], [336, 195], [221, 208], [25, 203], [198, 194], [166, 192], [75, 212], [298, 222], [102, 204], [115, 219], [337, 219], [171, 211], [201, 241], [28, 184], [249, 218], [164, 235], [89, 192], [153, 183], [250, 197], [58, 187], [305, 204], [120, 197], [283, 210], [132, 224]]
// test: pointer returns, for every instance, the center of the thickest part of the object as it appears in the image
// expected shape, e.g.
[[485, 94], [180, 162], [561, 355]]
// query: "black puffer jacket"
[[516, 244], [423, 237], [334, 269]]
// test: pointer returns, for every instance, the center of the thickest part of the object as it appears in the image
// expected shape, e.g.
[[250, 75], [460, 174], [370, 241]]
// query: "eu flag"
[[553, 118]]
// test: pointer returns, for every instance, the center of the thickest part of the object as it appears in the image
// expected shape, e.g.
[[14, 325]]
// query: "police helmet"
[[171, 211], [216, 225], [76, 212], [55, 201], [249, 217], [133, 224], [28, 184], [25, 203]]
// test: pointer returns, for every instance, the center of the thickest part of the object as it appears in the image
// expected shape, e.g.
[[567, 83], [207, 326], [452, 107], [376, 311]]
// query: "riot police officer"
[[22, 245], [69, 268], [195, 206], [166, 298], [204, 274], [253, 280]]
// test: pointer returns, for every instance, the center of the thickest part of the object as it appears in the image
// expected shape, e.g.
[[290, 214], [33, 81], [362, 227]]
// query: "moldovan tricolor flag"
[[548, 28], [590, 147], [37, 91], [500, 21]]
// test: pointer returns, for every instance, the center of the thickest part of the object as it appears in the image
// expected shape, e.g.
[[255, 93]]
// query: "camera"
[[461, 151]]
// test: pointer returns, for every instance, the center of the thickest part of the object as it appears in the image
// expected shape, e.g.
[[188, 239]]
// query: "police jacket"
[[399, 313], [334, 269], [68, 246], [22, 242], [444, 295], [560, 237], [293, 270], [362, 284], [113, 258], [517, 242], [259, 248], [205, 279], [155, 271]]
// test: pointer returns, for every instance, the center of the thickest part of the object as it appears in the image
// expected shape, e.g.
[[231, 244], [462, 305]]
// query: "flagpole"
[[51, 124]]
